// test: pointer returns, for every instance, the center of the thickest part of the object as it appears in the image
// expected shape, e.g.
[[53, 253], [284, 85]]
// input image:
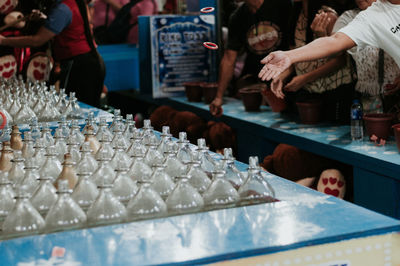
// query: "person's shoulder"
[[61, 9]]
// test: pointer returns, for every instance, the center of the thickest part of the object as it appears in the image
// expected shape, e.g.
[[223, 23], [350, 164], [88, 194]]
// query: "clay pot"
[[310, 112], [209, 91], [396, 129], [193, 91], [252, 97], [378, 125], [276, 104]]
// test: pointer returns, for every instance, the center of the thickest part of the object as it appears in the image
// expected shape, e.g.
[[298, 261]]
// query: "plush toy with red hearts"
[[332, 182]]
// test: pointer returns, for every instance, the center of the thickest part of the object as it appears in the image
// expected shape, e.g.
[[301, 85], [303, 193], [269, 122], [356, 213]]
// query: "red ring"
[[4, 120], [210, 45], [207, 9]]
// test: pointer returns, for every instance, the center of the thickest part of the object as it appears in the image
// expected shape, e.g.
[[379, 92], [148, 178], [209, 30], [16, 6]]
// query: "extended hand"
[[296, 83], [216, 107], [275, 63], [320, 25]]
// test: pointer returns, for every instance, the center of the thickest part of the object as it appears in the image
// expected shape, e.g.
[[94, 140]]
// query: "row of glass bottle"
[[20, 103]]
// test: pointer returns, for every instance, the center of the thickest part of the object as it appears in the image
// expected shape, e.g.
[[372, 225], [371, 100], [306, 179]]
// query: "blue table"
[[376, 169], [305, 227]]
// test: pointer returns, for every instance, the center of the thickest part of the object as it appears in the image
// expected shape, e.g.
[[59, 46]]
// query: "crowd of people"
[[334, 50]]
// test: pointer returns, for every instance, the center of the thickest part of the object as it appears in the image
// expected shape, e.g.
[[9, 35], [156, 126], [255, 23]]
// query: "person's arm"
[[225, 75], [277, 62], [41, 37]]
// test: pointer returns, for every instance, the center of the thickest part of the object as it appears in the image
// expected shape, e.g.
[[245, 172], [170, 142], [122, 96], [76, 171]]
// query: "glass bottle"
[[124, 187], [28, 150], [120, 158], [103, 171], [148, 133], [85, 191], [165, 138], [103, 130], [146, 204], [40, 152], [90, 122], [24, 114], [255, 189], [136, 148], [75, 135], [15, 106], [206, 162], [49, 112], [139, 171], [129, 127], [162, 182], [197, 177], [116, 120], [184, 198], [106, 209], [105, 151], [34, 128], [17, 171], [61, 105], [23, 219], [60, 144], [6, 157], [31, 179], [89, 137], [16, 140], [7, 195], [174, 167], [44, 196], [38, 105], [184, 151], [63, 126], [221, 193], [68, 172], [87, 163], [153, 156], [232, 174], [65, 213], [73, 149], [52, 166], [119, 140]]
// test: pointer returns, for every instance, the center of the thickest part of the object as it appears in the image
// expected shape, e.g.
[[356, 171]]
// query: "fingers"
[[276, 88], [267, 59]]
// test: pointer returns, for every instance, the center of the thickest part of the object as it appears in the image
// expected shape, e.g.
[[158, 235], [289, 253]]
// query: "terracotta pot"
[[209, 91], [193, 91], [251, 97], [310, 112], [378, 125], [276, 104], [396, 129]]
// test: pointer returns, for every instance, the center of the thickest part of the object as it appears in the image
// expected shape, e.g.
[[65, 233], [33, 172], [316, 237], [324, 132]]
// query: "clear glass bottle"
[[255, 189], [120, 158], [103, 132], [31, 178], [75, 135], [17, 171], [49, 112], [89, 137], [24, 114], [90, 121], [44, 196], [28, 149], [197, 177], [85, 192], [63, 126], [16, 140], [15, 106], [87, 163], [124, 187], [106, 150], [146, 204], [165, 138], [221, 193], [65, 214], [153, 156], [68, 172], [149, 136], [40, 152], [106, 209], [174, 167], [139, 171], [73, 149], [232, 174], [184, 151], [117, 120], [184, 198], [46, 135], [7, 195], [103, 171], [137, 147], [162, 182], [130, 127], [23, 219], [34, 128], [6, 157], [52, 166]]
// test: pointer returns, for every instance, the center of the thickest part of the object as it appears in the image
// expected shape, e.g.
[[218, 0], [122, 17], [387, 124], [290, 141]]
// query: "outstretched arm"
[[40, 38], [277, 62]]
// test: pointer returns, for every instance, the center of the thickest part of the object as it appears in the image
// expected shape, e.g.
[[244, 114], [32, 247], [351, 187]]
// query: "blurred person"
[[143, 8]]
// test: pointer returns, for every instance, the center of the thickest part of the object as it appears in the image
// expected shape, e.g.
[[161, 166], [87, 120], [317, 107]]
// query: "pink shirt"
[[143, 8], [100, 7]]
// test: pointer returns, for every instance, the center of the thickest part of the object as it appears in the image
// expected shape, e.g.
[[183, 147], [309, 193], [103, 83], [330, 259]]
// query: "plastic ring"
[[4, 120], [210, 45], [207, 9]]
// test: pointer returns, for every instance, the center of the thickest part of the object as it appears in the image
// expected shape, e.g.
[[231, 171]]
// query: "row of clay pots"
[[195, 91]]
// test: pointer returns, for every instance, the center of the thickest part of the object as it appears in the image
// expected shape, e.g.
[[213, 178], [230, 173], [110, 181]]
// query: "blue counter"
[[305, 226]]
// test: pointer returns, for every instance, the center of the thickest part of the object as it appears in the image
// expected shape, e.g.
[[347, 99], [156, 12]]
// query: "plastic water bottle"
[[356, 116]]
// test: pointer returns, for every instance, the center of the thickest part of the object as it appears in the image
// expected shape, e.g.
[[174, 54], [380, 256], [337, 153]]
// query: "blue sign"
[[178, 54]]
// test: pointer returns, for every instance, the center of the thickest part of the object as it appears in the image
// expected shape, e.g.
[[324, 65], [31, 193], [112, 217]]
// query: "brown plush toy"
[[305, 168], [219, 136], [189, 122]]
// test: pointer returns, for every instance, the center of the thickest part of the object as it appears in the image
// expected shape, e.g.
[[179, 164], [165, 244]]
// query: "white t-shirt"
[[379, 26]]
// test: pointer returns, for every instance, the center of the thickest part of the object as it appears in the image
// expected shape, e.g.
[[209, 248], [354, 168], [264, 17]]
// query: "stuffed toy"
[[219, 136], [307, 169], [161, 116], [189, 122], [39, 67]]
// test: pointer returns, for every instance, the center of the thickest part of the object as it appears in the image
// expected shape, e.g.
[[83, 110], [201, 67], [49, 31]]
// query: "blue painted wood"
[[145, 55], [302, 218]]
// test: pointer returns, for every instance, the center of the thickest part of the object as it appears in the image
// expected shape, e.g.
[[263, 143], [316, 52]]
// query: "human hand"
[[275, 63], [320, 24], [276, 87], [296, 83], [216, 107], [392, 88]]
